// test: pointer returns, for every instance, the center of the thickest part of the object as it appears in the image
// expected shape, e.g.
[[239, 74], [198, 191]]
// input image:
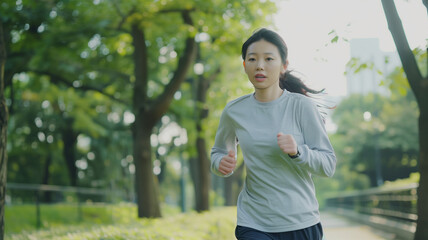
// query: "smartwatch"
[[296, 155]]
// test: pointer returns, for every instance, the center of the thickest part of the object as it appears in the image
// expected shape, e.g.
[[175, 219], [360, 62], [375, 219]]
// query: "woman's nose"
[[260, 65]]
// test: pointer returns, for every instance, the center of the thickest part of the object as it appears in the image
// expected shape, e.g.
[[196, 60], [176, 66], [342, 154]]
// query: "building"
[[378, 65]]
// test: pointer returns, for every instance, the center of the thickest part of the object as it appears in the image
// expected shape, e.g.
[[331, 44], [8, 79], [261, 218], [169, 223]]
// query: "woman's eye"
[[269, 59], [251, 59]]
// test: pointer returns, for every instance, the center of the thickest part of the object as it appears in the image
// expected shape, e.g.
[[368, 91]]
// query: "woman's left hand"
[[287, 143]]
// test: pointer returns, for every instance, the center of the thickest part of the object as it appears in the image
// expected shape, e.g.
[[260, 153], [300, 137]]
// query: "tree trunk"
[[69, 137], [202, 176], [148, 113], [422, 222], [425, 2], [194, 168], [146, 183], [419, 86], [3, 132], [146, 186], [47, 196]]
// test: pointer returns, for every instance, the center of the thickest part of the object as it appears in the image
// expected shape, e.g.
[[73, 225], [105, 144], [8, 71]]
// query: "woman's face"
[[263, 65]]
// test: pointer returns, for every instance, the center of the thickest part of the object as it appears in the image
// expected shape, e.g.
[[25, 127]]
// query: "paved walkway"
[[337, 227]]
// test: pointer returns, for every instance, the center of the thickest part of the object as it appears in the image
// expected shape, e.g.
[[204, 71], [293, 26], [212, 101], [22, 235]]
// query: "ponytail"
[[294, 84]]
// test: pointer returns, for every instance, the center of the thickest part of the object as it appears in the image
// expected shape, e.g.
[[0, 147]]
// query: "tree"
[[369, 124], [216, 19], [419, 86], [66, 80], [149, 111], [3, 132], [88, 60], [201, 176]]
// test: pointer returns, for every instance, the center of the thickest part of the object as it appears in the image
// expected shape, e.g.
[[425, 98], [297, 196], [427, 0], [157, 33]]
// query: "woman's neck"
[[268, 95]]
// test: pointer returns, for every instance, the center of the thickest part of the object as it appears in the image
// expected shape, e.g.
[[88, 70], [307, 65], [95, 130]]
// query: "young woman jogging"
[[284, 142]]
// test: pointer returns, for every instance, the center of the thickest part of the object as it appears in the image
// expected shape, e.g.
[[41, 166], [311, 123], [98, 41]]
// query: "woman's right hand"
[[227, 163]]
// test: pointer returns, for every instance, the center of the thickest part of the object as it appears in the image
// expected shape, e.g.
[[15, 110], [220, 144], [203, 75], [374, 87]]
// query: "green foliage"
[[345, 178], [118, 222], [219, 50], [412, 179], [66, 74], [355, 65], [70, 67], [397, 82], [370, 122], [69, 214], [57, 215], [373, 121]]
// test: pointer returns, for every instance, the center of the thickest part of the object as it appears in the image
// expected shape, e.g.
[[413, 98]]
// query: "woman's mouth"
[[260, 77]]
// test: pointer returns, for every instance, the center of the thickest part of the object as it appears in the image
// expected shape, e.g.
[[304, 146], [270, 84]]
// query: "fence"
[[81, 195], [390, 209]]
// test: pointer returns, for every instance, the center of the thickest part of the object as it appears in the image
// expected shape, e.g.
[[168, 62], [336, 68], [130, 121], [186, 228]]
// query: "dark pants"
[[311, 233]]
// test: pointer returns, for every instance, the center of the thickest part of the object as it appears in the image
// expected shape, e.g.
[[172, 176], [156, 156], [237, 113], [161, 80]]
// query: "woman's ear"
[[284, 67], [243, 63]]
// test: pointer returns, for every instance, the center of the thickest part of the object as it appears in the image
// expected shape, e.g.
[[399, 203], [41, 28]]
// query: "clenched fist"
[[287, 143], [227, 163]]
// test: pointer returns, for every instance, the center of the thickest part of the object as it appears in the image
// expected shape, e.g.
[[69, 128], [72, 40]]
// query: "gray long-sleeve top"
[[278, 193]]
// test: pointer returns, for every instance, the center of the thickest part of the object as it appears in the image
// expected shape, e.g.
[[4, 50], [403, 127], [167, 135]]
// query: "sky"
[[305, 26]]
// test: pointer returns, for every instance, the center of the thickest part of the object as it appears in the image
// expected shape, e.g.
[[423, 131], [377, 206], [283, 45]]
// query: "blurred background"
[[116, 103]]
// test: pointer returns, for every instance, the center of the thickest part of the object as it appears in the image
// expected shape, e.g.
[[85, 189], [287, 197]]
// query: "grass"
[[64, 214], [118, 222]]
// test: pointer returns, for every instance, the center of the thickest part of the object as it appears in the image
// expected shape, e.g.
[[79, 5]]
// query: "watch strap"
[[296, 155]]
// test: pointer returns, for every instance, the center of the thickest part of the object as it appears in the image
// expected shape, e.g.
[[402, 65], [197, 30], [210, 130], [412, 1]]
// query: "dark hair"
[[287, 80]]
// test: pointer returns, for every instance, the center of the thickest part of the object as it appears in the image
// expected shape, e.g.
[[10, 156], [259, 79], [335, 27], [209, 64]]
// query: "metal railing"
[[81, 195], [390, 209]]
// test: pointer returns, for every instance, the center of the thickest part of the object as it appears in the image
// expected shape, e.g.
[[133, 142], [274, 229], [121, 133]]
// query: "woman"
[[283, 141]]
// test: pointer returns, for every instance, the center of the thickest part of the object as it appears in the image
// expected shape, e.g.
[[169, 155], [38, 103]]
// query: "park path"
[[337, 227]]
